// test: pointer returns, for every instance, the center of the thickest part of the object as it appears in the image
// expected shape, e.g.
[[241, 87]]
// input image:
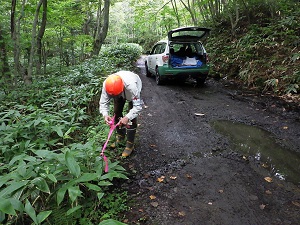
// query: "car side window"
[[162, 48], [155, 49], [159, 48]]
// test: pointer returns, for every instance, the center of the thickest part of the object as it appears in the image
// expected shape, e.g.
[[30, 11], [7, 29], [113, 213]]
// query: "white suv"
[[181, 56]]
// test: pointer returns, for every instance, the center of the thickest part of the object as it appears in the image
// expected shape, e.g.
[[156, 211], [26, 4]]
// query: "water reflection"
[[258, 143]]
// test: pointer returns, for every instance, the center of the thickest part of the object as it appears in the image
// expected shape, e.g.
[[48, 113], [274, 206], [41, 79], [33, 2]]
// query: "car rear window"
[[188, 33], [178, 47]]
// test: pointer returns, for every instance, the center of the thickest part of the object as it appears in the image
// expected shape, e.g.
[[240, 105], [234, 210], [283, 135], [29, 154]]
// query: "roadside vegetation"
[[51, 137], [54, 56], [260, 50]]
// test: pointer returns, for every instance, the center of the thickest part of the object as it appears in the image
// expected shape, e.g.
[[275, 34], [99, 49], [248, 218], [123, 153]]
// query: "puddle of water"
[[253, 141]]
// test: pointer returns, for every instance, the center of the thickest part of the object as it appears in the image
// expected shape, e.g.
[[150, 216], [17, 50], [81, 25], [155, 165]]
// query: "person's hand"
[[124, 121], [108, 120]]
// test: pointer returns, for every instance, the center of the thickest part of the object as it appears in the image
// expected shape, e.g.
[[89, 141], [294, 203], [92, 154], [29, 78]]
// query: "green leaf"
[[30, 158], [52, 178], [25, 171], [41, 184], [74, 192], [100, 195], [93, 187], [109, 176], [37, 121], [116, 166], [46, 154], [60, 195], [105, 183], [58, 130], [86, 177], [42, 216], [113, 174], [17, 204], [111, 222], [2, 217], [16, 158], [30, 211], [72, 164], [7, 207], [72, 210], [8, 191], [66, 135], [4, 179]]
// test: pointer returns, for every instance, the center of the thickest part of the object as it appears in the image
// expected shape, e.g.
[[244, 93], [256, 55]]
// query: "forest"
[[54, 58]]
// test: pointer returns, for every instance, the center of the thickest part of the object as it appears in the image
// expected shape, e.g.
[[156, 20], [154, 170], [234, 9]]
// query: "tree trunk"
[[19, 70], [44, 56], [4, 67], [234, 22], [175, 9], [12, 17], [190, 9], [212, 10], [40, 37], [28, 75], [87, 22], [202, 11], [101, 30]]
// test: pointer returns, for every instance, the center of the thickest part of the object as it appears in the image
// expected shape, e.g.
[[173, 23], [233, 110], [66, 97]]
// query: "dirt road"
[[213, 155]]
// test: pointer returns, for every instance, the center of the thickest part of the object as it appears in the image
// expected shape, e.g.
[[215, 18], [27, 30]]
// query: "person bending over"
[[121, 87]]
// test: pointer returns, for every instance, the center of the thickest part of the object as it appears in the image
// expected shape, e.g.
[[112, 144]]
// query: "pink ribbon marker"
[[112, 127]]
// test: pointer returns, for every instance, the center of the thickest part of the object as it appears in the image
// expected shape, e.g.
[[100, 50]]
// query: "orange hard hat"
[[114, 84]]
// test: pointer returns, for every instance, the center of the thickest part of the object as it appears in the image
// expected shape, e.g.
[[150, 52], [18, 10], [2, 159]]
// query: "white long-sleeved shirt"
[[132, 92]]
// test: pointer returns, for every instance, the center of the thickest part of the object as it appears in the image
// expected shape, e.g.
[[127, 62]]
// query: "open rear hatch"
[[188, 34]]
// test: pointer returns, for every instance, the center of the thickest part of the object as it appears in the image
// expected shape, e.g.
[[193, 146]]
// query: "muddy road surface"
[[213, 155]]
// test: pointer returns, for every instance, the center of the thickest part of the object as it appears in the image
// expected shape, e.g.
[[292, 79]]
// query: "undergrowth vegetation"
[[51, 136], [263, 54]]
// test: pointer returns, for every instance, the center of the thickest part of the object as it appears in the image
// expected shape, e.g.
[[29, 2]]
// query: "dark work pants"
[[119, 103]]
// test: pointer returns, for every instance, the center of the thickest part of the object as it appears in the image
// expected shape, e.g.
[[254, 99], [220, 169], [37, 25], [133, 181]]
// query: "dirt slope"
[[183, 172]]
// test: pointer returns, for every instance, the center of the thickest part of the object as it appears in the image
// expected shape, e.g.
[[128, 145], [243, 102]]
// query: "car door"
[[155, 56]]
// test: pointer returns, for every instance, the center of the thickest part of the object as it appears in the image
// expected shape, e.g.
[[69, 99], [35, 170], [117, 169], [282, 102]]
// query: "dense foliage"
[[51, 136], [264, 51], [54, 56]]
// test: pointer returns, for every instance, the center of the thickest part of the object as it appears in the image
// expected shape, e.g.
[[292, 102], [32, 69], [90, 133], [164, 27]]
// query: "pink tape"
[[112, 127]]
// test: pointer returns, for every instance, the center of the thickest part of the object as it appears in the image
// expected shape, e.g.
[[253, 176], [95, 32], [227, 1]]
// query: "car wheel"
[[148, 74], [158, 79]]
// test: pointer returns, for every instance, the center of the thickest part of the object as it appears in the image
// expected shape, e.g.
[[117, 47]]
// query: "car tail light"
[[165, 58]]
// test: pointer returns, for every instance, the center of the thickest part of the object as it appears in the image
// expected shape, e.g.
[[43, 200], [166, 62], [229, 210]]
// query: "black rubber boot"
[[130, 142], [120, 137]]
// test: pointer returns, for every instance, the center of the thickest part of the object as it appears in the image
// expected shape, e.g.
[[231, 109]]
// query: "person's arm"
[[136, 109], [133, 85], [135, 89], [134, 112], [104, 104]]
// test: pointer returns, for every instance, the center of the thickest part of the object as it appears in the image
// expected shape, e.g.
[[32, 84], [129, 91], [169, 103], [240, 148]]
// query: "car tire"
[[148, 74], [158, 79]]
